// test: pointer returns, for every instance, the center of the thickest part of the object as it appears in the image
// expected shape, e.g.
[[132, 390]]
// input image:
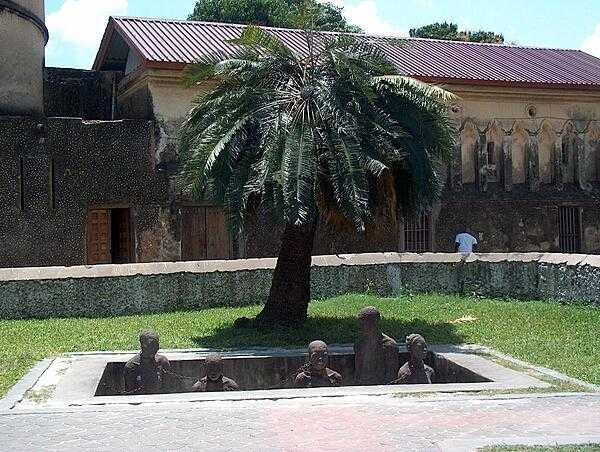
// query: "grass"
[[563, 337], [568, 448]]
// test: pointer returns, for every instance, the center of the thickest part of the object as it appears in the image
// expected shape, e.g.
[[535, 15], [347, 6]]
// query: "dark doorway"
[[109, 236], [120, 236]]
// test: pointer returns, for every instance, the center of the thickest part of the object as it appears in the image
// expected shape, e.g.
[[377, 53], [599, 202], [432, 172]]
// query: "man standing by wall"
[[465, 243]]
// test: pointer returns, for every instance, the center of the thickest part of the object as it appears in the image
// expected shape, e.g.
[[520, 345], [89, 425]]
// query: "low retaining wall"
[[157, 287]]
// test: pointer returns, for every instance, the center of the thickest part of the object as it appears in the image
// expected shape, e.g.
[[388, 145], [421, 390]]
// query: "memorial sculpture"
[[376, 354], [315, 373], [215, 381], [415, 371], [145, 372]]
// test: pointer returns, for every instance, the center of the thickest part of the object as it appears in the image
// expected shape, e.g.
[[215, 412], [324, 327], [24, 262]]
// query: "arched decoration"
[[455, 168], [520, 141], [568, 154], [592, 146], [494, 158], [547, 139], [469, 139]]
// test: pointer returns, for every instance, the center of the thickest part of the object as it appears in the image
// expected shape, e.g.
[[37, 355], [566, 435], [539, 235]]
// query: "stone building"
[[90, 177]]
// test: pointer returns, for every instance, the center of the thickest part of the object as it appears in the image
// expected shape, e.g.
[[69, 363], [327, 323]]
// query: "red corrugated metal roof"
[[173, 42]]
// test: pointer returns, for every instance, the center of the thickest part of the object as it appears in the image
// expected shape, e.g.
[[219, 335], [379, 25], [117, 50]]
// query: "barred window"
[[491, 158], [417, 233], [569, 229]]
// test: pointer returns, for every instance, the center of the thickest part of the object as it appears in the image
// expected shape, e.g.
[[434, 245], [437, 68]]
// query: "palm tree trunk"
[[290, 288]]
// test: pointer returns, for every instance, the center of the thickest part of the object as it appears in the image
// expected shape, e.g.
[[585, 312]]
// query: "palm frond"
[[335, 133]]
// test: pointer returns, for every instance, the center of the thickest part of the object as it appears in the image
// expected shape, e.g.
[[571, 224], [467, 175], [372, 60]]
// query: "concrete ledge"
[[71, 380], [105, 290]]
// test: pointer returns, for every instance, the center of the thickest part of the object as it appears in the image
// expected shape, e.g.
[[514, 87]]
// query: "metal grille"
[[417, 233], [491, 148], [569, 229]]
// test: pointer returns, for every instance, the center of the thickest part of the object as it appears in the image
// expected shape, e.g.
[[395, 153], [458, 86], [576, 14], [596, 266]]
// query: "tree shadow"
[[339, 330]]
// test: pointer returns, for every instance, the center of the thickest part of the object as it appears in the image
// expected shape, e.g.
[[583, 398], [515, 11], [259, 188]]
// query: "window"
[[569, 229], [204, 234], [491, 157], [417, 233], [109, 236]]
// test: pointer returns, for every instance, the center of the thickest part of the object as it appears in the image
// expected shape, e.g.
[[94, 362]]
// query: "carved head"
[[214, 367], [417, 347], [318, 357], [368, 320], [149, 344]]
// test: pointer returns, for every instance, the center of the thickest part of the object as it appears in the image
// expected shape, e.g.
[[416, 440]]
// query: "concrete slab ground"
[[365, 421], [356, 423]]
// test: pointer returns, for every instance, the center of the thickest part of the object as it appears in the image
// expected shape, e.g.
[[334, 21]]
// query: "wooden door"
[[204, 234], [99, 236], [217, 235], [193, 233]]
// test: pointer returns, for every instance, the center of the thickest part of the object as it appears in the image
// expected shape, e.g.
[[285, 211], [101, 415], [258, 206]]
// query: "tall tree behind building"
[[449, 32], [273, 13]]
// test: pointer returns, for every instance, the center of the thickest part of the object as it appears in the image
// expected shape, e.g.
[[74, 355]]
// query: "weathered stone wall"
[[515, 222], [262, 238], [23, 37], [146, 288], [52, 171], [77, 93]]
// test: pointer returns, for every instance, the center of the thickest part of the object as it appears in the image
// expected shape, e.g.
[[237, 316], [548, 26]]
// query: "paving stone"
[[376, 423]]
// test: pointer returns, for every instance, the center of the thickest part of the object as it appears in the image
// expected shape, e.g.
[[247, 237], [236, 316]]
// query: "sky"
[[76, 26]]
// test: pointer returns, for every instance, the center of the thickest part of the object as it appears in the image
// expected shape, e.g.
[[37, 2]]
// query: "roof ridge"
[[368, 35]]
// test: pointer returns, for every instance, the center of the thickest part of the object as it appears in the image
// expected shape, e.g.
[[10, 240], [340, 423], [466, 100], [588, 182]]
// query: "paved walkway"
[[375, 423]]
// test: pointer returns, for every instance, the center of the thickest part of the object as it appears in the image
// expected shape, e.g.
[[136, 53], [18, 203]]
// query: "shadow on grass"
[[333, 330]]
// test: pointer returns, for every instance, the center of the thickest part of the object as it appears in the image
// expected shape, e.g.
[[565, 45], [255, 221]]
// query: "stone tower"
[[23, 37]]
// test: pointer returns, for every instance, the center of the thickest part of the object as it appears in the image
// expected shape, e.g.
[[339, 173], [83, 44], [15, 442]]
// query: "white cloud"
[[80, 24], [592, 42], [366, 16]]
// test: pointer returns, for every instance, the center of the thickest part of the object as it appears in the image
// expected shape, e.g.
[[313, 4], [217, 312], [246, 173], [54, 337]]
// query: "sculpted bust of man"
[[415, 371], [215, 381], [144, 373], [376, 358], [317, 374]]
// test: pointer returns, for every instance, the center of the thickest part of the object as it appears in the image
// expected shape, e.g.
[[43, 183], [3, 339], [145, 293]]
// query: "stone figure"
[[376, 360], [145, 372], [415, 371], [215, 381], [317, 374]]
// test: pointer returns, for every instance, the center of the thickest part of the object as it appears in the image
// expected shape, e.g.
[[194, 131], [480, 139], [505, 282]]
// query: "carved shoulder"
[[389, 342], [230, 385], [334, 377], [163, 362], [132, 363], [200, 385], [403, 375], [302, 379]]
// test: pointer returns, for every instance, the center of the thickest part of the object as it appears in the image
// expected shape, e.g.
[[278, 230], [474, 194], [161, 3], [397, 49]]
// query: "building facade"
[[93, 180]]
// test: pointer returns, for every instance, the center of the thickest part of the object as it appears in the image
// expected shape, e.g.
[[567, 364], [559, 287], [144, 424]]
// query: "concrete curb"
[[15, 394]]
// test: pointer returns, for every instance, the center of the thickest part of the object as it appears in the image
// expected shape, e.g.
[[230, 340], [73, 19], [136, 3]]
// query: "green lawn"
[[563, 337]]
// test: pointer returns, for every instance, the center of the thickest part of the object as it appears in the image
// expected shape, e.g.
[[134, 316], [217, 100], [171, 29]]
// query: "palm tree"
[[331, 133]]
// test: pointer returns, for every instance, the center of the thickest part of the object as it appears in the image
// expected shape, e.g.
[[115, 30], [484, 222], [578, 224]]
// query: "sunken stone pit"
[[274, 372], [81, 380]]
